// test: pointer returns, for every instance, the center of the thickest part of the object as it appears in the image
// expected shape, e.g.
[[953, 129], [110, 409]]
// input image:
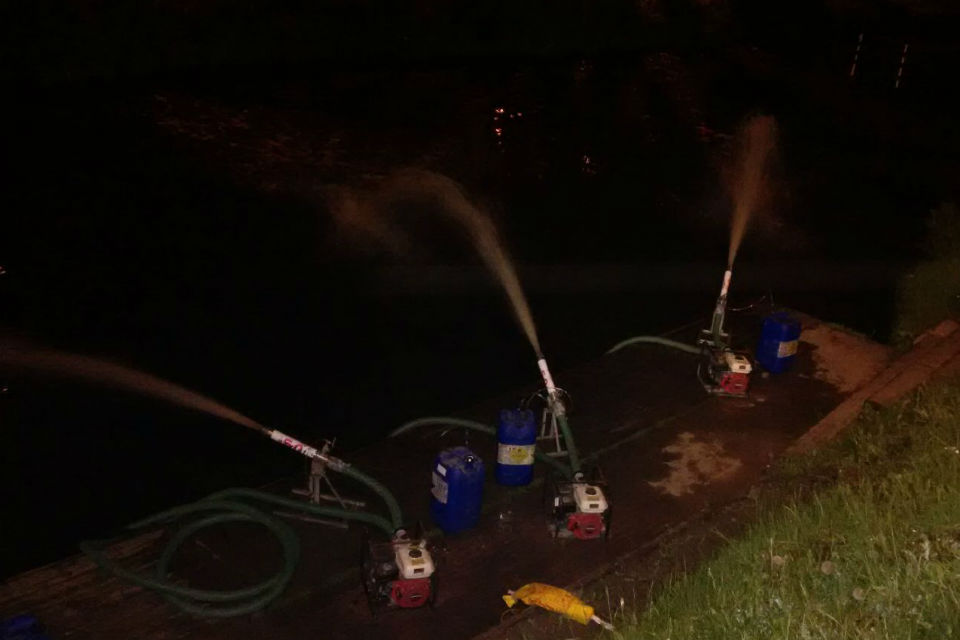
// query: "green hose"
[[223, 507], [571, 445], [482, 428], [372, 519], [443, 421], [666, 342], [396, 517], [220, 604]]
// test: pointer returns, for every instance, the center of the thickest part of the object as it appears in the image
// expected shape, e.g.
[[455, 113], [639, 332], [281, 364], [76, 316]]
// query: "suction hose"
[[572, 451], [472, 425], [396, 517], [230, 506], [666, 342], [206, 602]]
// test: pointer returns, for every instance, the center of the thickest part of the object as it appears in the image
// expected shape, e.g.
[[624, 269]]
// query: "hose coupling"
[[336, 464]]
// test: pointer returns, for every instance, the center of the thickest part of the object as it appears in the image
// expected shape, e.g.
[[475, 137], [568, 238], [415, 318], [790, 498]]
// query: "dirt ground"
[[699, 462], [844, 359]]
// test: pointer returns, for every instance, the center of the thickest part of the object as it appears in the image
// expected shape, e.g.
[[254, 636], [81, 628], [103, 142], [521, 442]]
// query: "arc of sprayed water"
[[493, 253], [367, 216], [758, 141], [64, 364]]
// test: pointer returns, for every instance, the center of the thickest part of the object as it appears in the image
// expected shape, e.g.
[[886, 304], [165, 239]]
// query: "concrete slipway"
[[669, 452]]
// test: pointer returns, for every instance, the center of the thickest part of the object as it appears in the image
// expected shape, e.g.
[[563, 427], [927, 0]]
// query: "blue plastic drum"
[[457, 489], [779, 339], [516, 443]]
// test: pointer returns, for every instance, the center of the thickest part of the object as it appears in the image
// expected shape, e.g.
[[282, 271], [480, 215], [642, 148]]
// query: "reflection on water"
[[502, 124], [533, 139], [634, 144]]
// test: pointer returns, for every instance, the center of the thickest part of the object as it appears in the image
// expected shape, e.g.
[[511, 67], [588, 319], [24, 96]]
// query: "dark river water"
[[178, 224]]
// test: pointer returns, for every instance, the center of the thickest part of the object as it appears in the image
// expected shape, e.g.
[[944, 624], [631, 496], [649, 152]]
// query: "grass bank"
[[861, 540], [930, 291]]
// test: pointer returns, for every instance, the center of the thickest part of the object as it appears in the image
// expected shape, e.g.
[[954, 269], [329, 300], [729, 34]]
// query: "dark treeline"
[[51, 41]]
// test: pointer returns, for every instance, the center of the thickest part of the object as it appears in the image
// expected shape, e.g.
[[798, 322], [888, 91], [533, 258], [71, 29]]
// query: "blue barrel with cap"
[[516, 442], [779, 339], [457, 489]]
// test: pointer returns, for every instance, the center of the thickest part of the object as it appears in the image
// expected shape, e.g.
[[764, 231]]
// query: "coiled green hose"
[[230, 506]]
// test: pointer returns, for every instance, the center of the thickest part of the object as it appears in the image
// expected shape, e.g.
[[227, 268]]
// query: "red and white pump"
[[398, 573], [578, 509]]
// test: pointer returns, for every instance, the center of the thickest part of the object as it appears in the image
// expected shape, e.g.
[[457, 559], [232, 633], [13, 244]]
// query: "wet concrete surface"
[[667, 450]]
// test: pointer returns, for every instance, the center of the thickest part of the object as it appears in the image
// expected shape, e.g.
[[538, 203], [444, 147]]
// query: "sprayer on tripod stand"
[[577, 506], [722, 370]]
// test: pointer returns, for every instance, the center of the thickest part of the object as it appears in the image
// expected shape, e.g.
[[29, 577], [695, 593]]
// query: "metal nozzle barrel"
[[556, 405], [306, 450], [547, 378], [720, 311], [715, 336]]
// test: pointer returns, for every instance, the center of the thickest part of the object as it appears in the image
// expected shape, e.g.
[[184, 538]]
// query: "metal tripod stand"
[[320, 489], [549, 429]]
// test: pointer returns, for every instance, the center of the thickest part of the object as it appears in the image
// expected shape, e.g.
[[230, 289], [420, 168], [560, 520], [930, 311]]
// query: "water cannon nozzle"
[[547, 378], [306, 450], [556, 404]]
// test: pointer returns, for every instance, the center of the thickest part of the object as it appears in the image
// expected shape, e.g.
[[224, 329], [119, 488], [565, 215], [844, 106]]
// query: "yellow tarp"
[[553, 599]]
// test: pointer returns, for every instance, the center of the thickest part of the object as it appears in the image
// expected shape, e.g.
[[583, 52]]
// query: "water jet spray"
[[452, 203], [723, 371], [405, 577]]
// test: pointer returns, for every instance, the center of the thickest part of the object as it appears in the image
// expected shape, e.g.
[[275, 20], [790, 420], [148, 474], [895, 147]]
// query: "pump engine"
[[727, 372], [578, 509], [399, 573]]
